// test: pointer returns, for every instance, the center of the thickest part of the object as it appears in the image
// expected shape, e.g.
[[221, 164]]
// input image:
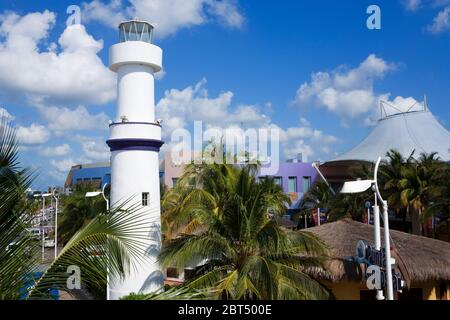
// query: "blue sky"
[[311, 68]]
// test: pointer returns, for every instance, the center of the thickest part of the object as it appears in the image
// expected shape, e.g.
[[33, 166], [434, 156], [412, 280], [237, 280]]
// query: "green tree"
[[390, 175], [109, 241], [77, 211], [416, 186], [348, 206], [18, 255], [439, 199], [224, 229], [319, 196]]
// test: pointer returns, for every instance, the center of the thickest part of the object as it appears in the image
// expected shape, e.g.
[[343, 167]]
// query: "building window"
[[144, 199], [172, 273], [306, 184], [292, 185], [174, 182], [278, 181]]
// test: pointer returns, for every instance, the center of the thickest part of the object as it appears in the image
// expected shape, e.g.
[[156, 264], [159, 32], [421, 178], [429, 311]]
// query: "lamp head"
[[93, 194], [356, 186]]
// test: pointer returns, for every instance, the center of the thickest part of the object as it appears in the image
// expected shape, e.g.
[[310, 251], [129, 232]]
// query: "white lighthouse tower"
[[135, 140]]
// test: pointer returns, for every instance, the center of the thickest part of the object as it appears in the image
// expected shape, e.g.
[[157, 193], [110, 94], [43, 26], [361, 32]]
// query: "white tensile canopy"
[[405, 132]]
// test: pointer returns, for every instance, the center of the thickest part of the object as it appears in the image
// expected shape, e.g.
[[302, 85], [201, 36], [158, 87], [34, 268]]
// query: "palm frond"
[[113, 242]]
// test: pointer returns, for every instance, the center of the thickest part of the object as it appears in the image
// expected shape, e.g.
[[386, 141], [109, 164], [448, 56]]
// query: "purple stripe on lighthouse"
[[135, 144]]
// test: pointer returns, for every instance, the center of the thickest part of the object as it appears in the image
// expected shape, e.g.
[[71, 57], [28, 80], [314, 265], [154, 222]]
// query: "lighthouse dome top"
[[136, 30]]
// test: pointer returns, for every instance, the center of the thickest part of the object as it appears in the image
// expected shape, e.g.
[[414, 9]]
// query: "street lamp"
[[43, 195], [55, 196], [359, 186], [96, 194]]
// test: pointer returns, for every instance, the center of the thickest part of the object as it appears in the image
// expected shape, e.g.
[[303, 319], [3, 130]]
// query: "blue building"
[[95, 174]]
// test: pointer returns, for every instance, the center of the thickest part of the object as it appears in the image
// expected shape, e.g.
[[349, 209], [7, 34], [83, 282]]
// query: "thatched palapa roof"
[[418, 259]]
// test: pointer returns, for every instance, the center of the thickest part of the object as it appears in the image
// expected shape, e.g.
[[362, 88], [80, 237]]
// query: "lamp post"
[[387, 240], [318, 212], [92, 195], [359, 186], [55, 196], [43, 195]]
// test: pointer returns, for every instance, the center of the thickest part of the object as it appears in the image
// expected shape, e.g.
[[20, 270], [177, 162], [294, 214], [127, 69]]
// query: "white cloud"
[[34, 134], [6, 115], [304, 139], [441, 22], [57, 175], [160, 74], [180, 108], [169, 16], [63, 166], [412, 5], [65, 119], [391, 107], [56, 151], [401, 104], [346, 92], [109, 14], [69, 71], [227, 12], [304, 122], [96, 150]]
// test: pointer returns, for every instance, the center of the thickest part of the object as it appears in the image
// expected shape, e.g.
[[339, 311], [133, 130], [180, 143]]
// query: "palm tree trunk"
[[421, 224], [416, 225]]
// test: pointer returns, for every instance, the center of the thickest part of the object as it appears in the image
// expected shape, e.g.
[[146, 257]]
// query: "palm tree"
[[17, 249], [319, 196], [225, 231], [349, 206], [416, 186], [78, 211], [439, 200], [109, 241], [390, 174]]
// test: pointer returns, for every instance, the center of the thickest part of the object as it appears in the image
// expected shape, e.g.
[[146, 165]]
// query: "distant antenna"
[[425, 102]]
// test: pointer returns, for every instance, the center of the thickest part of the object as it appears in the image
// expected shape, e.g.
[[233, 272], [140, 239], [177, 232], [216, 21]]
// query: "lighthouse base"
[[135, 184]]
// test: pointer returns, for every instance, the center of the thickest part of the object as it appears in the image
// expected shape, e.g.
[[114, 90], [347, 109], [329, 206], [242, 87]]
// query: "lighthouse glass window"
[[144, 199], [135, 31]]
